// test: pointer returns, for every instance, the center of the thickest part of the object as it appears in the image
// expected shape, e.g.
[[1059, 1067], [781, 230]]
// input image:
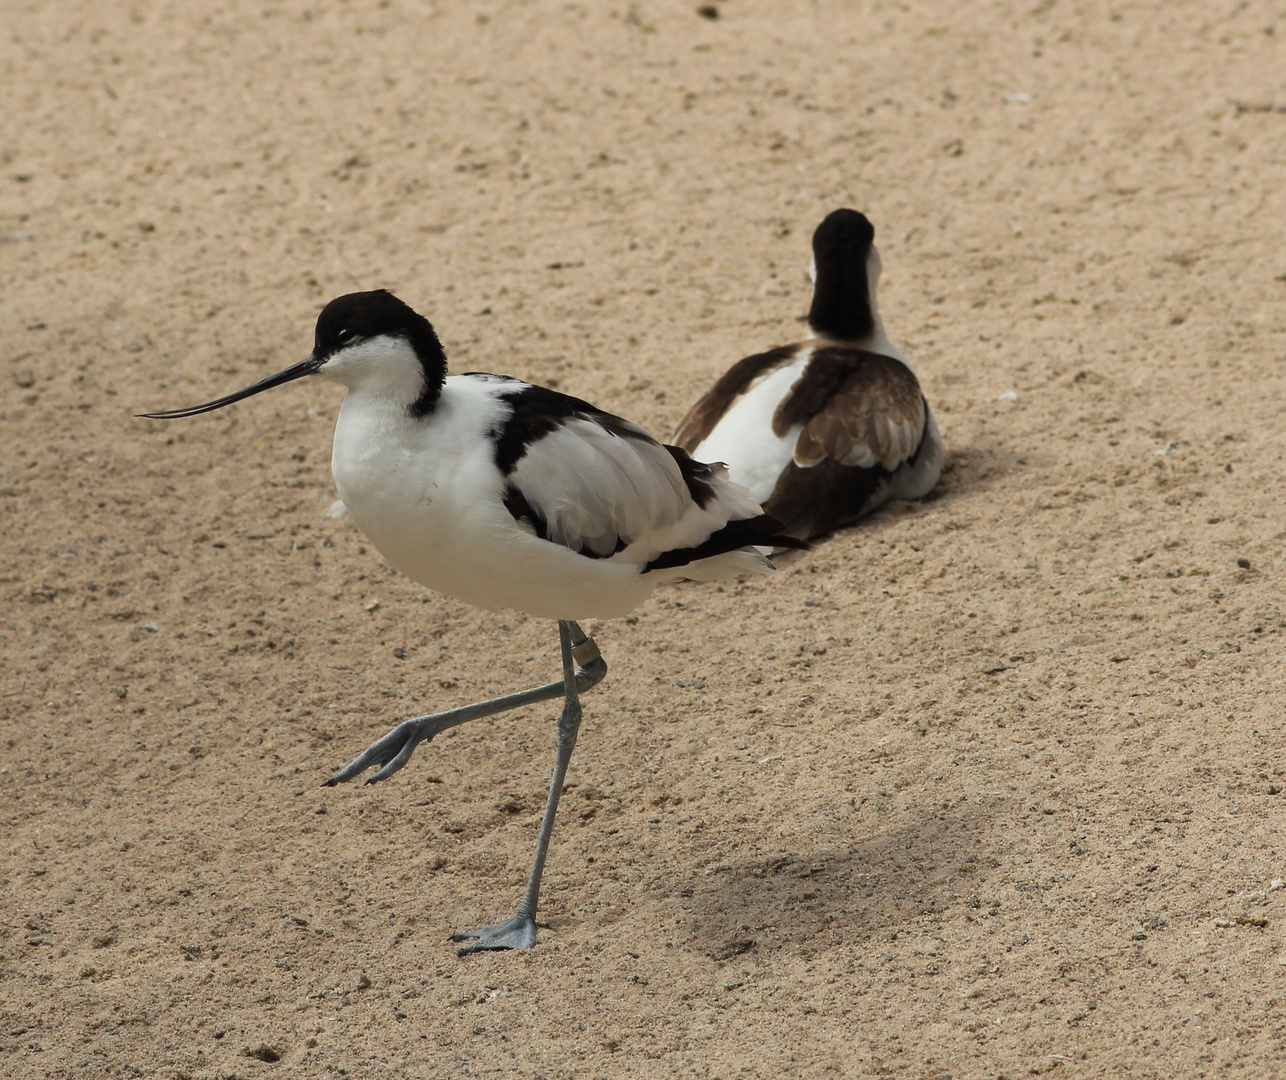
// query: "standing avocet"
[[510, 495]]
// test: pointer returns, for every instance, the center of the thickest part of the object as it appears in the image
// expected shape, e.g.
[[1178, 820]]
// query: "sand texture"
[[985, 787]]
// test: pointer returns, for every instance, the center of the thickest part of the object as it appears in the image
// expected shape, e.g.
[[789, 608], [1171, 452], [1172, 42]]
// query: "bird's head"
[[372, 343]]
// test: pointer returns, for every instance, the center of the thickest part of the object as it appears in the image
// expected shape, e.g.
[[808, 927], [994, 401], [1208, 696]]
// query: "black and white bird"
[[510, 495], [826, 430]]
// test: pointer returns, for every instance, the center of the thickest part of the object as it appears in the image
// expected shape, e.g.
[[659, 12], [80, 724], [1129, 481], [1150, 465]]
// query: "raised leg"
[[520, 931], [395, 749]]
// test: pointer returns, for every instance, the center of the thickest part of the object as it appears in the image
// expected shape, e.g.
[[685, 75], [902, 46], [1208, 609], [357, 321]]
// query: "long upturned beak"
[[295, 371]]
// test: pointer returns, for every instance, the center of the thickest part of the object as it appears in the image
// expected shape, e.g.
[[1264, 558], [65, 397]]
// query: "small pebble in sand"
[[263, 1052]]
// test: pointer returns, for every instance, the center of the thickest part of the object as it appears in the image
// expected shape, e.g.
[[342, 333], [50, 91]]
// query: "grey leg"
[[520, 931], [395, 749]]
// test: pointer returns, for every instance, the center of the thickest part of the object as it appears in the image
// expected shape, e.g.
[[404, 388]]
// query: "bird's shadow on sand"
[[966, 471], [977, 467], [815, 898], [884, 880]]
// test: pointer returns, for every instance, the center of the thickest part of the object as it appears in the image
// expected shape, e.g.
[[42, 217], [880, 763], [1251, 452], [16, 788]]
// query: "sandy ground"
[[983, 788]]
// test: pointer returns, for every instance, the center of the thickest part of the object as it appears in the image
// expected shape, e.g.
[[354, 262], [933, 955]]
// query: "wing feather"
[[856, 408], [598, 489], [604, 488]]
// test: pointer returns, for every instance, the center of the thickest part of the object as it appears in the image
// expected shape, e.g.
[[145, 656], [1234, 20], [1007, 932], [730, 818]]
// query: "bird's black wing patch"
[[521, 510], [589, 495], [699, 476], [761, 531], [538, 411], [863, 416], [856, 407], [818, 499]]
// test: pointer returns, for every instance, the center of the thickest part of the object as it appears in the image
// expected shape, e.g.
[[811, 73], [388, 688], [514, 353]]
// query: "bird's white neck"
[[384, 374]]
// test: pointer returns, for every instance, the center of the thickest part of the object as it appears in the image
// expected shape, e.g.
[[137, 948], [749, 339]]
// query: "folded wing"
[[856, 408], [604, 488]]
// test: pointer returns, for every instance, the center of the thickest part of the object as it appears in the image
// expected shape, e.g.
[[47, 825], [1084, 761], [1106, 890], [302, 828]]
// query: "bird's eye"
[[344, 334]]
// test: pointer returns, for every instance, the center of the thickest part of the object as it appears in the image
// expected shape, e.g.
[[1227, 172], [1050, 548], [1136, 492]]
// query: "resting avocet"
[[510, 495], [826, 430]]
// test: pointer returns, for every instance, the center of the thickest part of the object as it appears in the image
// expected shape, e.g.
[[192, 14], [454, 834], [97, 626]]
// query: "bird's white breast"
[[424, 490]]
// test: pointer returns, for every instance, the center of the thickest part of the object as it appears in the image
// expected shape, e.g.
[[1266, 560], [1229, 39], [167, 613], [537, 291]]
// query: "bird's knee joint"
[[590, 675]]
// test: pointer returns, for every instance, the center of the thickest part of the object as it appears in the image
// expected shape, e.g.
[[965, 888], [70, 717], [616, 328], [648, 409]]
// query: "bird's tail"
[[738, 538]]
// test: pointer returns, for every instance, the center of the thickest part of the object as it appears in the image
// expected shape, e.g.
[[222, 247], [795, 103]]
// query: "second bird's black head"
[[842, 249]]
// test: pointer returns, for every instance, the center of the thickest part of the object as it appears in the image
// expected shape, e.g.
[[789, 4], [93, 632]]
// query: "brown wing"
[[715, 402], [857, 408], [863, 415]]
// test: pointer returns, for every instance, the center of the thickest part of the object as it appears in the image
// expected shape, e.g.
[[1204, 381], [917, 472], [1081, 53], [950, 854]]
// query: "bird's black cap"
[[359, 315]]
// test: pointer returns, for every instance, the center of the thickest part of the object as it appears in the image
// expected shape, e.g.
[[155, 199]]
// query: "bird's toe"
[[518, 933]]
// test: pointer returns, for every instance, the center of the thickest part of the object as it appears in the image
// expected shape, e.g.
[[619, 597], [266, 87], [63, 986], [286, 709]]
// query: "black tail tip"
[[778, 539], [793, 543]]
